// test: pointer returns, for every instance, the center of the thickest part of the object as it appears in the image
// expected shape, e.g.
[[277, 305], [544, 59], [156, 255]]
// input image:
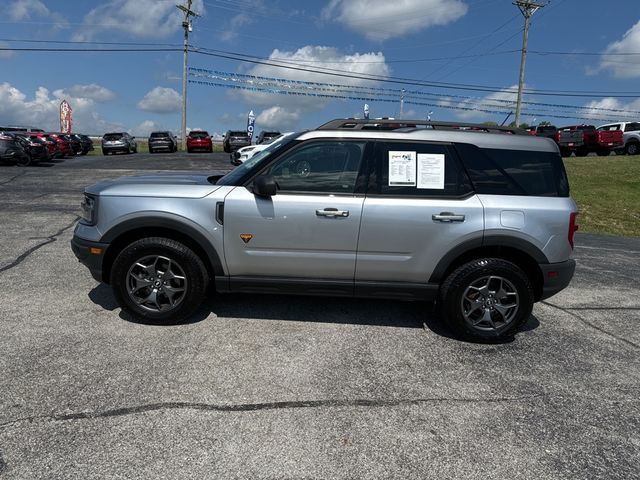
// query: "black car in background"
[[235, 139], [36, 148], [266, 137], [75, 143], [86, 144], [12, 150], [162, 142]]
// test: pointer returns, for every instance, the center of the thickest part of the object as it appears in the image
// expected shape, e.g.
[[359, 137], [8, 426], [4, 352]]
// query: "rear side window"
[[417, 170], [515, 172]]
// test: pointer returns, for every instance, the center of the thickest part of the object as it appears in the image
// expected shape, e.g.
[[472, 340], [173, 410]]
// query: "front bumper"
[[82, 250], [556, 277]]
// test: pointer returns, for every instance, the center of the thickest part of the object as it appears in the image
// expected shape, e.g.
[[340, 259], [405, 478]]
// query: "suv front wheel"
[[486, 299], [159, 280]]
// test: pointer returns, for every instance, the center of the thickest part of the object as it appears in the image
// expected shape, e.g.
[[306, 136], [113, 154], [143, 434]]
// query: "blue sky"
[[470, 42]]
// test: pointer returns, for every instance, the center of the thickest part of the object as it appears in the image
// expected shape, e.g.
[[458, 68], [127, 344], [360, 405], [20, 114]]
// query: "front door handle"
[[447, 217], [332, 212]]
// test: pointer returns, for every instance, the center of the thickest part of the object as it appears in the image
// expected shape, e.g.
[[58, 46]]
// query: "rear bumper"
[[81, 249], [556, 277]]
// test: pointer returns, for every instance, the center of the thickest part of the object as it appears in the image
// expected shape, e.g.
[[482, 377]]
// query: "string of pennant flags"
[[281, 86]]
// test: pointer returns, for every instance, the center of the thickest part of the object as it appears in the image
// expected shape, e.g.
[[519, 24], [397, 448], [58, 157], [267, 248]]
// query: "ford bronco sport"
[[476, 218]]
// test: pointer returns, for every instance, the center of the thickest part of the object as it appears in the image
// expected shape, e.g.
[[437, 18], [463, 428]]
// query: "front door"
[[309, 229]]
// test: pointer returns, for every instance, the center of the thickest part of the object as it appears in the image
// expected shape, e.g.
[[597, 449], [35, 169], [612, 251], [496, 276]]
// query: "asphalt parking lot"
[[296, 387]]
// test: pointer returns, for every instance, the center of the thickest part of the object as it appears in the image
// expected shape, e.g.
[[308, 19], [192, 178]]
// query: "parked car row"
[[30, 146], [622, 138]]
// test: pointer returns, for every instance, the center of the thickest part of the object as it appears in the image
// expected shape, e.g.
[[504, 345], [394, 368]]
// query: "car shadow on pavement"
[[335, 310]]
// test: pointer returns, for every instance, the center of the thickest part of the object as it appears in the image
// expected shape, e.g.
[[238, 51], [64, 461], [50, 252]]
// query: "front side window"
[[319, 167], [632, 127]]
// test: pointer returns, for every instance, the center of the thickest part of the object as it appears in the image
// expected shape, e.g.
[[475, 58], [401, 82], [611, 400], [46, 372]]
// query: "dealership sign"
[[251, 122], [66, 117]]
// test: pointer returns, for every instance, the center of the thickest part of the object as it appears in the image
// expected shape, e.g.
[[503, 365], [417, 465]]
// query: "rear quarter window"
[[514, 172]]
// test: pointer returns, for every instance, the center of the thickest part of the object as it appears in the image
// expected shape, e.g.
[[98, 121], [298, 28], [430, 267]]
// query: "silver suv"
[[478, 219]]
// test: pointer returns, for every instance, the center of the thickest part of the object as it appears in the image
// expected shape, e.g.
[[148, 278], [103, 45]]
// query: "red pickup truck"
[[602, 142], [567, 140]]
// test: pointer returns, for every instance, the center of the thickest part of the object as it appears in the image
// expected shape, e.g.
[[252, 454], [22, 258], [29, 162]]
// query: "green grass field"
[[607, 190]]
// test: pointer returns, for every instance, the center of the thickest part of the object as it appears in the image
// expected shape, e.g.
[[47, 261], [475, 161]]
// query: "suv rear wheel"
[[486, 299], [159, 280]]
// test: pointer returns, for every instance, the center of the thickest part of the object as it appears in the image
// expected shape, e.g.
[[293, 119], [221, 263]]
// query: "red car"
[[65, 147], [199, 140], [52, 144]]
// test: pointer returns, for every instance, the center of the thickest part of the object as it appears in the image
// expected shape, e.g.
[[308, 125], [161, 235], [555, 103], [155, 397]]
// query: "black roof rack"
[[394, 124]]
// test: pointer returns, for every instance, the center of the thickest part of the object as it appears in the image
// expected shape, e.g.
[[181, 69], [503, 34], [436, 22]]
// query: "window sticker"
[[431, 171], [402, 169]]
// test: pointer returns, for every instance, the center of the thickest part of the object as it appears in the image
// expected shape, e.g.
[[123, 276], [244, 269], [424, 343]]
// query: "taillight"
[[557, 136], [573, 227]]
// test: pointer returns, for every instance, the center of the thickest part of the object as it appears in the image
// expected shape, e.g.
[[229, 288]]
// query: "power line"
[[291, 65]]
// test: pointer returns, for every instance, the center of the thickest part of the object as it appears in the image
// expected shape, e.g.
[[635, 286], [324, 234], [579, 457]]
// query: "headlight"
[[89, 210]]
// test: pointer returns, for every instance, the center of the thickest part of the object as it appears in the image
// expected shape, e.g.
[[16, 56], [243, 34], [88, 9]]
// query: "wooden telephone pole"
[[527, 8], [186, 24]]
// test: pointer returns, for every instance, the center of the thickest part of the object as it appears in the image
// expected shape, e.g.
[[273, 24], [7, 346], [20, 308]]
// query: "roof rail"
[[394, 124]]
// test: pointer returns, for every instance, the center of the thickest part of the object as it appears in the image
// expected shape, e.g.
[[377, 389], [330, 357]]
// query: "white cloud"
[[25, 9], [161, 100], [504, 100], [92, 91], [235, 24], [624, 66], [145, 128], [313, 57], [139, 18], [603, 109], [383, 19], [21, 10], [277, 118], [42, 110]]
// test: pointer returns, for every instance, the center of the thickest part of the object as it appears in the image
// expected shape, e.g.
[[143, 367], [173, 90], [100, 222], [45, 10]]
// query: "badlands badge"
[[246, 237]]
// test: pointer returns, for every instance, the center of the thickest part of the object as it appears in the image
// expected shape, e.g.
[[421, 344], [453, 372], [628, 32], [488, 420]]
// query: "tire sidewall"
[[194, 269], [456, 284]]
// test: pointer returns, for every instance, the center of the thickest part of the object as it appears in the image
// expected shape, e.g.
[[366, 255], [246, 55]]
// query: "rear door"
[[419, 206], [309, 229]]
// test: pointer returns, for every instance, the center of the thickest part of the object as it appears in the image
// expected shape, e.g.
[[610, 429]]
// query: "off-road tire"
[[184, 261], [453, 300]]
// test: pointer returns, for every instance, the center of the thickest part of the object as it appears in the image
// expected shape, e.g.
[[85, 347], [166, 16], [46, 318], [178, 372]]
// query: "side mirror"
[[265, 186]]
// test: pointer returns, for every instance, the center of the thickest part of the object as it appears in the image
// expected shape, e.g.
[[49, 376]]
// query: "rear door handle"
[[332, 212], [447, 217]]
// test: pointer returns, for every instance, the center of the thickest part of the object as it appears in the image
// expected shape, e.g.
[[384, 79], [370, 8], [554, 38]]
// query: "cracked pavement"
[[294, 387]]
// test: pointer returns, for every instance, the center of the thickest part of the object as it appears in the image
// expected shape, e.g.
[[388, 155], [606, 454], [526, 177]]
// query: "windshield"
[[241, 170]]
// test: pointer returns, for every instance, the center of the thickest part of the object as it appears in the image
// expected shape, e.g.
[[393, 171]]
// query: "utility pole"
[[402, 103], [527, 8], [186, 24]]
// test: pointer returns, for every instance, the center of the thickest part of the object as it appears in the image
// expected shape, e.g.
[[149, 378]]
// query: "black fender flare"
[[169, 222], [488, 241]]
